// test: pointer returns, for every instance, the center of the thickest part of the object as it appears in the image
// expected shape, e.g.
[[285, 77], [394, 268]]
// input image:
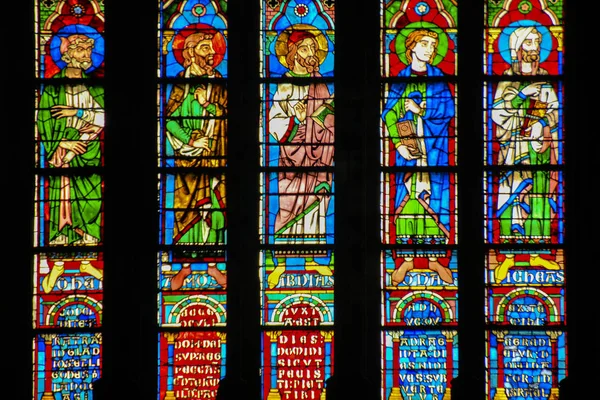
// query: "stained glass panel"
[[419, 208], [524, 193], [418, 198], [525, 364], [298, 208], [183, 26], [300, 292], [420, 287], [68, 290], [66, 365], [525, 206], [418, 364], [296, 363], [297, 190], [68, 214], [192, 182], [193, 364], [419, 117], [513, 139], [288, 22], [524, 37], [403, 21], [62, 27], [193, 207]]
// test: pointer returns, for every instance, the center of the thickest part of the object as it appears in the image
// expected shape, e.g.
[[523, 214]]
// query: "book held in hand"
[[408, 137]]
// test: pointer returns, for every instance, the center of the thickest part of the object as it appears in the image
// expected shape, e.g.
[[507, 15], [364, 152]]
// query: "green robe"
[[538, 188], [85, 188], [199, 196]]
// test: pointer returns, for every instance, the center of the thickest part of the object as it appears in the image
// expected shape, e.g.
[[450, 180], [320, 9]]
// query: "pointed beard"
[[531, 56], [311, 63]]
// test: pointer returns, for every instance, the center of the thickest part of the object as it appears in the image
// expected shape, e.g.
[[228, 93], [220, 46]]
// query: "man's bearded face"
[[306, 55], [530, 50], [205, 53], [81, 55]]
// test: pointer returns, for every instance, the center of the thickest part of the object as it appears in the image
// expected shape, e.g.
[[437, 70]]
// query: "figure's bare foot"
[[400, 273], [274, 276], [217, 274], [444, 272], [318, 268], [502, 270], [50, 280], [177, 281], [87, 268], [537, 261]]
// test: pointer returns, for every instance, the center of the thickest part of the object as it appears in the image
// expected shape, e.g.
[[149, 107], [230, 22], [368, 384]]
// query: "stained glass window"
[[194, 223], [297, 194], [524, 199], [192, 159], [68, 215], [419, 210]]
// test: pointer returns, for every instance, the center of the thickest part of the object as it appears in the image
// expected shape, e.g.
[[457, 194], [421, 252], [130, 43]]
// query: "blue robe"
[[440, 110]]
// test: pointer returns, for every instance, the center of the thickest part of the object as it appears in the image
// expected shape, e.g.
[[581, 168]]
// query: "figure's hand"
[[88, 128], [405, 152], [202, 143], [539, 142], [300, 110], [200, 95], [536, 131], [410, 105], [532, 89], [63, 111], [76, 146]]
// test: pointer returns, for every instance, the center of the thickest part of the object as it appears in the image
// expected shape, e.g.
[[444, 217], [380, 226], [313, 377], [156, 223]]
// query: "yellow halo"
[[281, 47]]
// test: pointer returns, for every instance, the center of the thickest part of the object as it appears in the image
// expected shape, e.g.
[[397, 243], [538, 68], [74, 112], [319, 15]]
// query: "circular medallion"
[[422, 8], [77, 10], [525, 7], [198, 10], [301, 10]]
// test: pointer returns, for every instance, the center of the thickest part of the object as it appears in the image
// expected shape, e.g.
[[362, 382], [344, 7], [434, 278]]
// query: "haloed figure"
[[70, 122], [418, 116], [197, 129], [525, 116], [302, 122]]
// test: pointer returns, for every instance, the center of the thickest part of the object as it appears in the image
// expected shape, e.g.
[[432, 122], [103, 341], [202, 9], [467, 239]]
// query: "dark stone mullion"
[[471, 266], [244, 333], [130, 303]]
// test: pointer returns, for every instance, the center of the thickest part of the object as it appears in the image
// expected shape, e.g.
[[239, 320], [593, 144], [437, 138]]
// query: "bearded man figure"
[[196, 128], [301, 119], [70, 121], [525, 116]]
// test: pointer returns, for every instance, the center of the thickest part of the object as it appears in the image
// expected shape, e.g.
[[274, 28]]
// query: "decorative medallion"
[[301, 10]]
